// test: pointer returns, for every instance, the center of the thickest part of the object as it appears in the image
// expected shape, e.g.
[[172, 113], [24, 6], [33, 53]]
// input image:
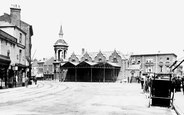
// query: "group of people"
[[25, 81], [145, 83], [177, 83]]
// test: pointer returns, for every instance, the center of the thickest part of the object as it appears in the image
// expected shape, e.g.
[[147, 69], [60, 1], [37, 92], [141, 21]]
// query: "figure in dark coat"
[[182, 81]]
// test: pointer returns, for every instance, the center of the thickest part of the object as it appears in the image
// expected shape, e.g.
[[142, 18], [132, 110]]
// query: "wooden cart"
[[161, 90]]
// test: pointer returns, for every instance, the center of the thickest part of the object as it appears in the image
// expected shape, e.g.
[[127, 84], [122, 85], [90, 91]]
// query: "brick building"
[[143, 64]]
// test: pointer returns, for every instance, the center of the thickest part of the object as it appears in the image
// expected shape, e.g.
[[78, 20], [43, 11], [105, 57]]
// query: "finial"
[[61, 32]]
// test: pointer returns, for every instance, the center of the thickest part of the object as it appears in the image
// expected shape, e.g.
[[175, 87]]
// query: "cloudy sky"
[[138, 26]]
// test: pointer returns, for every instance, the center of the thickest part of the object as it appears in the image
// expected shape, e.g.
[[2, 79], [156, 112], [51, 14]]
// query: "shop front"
[[4, 64]]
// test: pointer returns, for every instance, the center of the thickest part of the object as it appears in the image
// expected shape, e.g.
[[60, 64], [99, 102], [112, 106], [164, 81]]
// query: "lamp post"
[[104, 72]]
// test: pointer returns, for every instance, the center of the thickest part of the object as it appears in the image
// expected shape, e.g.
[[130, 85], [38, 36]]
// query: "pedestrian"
[[182, 81], [26, 81], [142, 82], [14, 81], [178, 82], [35, 80]]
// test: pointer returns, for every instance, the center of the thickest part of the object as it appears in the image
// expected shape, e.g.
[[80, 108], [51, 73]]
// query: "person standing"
[[26, 81], [142, 82], [182, 81]]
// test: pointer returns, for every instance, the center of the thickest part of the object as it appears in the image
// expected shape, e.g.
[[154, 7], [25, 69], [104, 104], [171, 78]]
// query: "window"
[[149, 60], [20, 38], [8, 53], [160, 68], [149, 69], [100, 60], [167, 58], [115, 60], [20, 55]]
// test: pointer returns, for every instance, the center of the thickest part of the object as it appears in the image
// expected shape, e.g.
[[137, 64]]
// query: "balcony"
[[149, 63], [160, 63], [167, 63]]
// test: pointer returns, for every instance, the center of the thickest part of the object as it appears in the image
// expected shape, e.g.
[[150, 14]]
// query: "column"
[[55, 54]]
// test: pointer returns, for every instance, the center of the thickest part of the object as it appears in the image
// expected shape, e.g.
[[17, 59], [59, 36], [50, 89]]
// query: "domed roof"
[[61, 42]]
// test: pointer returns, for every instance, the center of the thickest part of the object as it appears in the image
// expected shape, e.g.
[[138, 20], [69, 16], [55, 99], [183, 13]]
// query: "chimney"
[[83, 51], [15, 15]]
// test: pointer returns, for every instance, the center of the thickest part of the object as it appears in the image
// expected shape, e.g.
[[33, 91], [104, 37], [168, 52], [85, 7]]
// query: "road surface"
[[70, 98]]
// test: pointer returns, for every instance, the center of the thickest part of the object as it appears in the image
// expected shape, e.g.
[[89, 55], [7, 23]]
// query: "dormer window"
[[115, 60], [73, 60]]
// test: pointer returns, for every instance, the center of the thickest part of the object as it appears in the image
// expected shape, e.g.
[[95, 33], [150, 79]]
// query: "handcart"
[[161, 90]]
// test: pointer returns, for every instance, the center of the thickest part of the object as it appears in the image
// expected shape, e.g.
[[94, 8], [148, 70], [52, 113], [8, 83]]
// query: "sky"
[[138, 26]]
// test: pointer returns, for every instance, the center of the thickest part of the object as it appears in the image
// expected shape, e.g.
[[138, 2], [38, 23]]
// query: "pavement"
[[179, 103]]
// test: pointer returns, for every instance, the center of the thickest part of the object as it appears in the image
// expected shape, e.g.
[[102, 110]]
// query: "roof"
[[61, 42], [154, 54], [114, 64], [7, 18], [107, 54], [70, 64], [49, 61], [86, 63], [9, 25], [8, 37]]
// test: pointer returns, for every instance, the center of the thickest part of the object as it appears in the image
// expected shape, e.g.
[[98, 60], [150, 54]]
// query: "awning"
[[5, 60], [20, 65]]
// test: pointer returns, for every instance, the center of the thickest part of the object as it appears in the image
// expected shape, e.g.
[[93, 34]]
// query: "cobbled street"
[[70, 98]]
